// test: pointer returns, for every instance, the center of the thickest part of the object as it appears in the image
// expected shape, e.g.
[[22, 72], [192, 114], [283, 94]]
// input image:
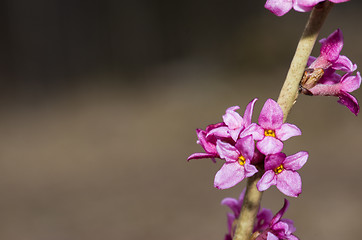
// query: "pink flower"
[[237, 165], [279, 228], [341, 90], [207, 143], [330, 54], [281, 7], [280, 170], [263, 217], [321, 79], [234, 123], [272, 131]]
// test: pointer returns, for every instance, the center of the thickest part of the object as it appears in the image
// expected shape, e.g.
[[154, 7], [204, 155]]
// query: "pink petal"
[[338, 1], [201, 156], [332, 46], [280, 213], [271, 115], [274, 160], [229, 175], [307, 3], [351, 83], [220, 132], [227, 151], [255, 130], [271, 236], [250, 169], [232, 119], [268, 179], [349, 101], [287, 131], [233, 204], [249, 112], [289, 183], [207, 144], [246, 146], [278, 7], [344, 64], [269, 145], [296, 161]]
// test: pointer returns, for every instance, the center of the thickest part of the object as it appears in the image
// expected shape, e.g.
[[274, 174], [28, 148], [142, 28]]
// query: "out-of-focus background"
[[99, 102]]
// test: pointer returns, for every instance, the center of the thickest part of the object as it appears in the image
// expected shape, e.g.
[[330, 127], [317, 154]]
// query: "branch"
[[287, 98], [289, 92]]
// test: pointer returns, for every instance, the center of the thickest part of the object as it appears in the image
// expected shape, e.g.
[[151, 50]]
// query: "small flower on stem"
[[280, 170], [263, 217], [237, 165], [208, 143], [341, 90], [234, 124], [272, 131], [281, 7], [279, 229]]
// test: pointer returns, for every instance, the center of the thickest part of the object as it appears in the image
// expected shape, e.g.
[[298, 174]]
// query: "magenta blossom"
[[263, 217], [237, 165], [280, 170], [234, 123], [279, 229], [207, 143], [330, 54], [272, 131], [341, 90], [281, 7]]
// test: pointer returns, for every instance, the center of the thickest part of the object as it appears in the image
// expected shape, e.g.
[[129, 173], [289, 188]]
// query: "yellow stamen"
[[279, 169], [269, 133], [241, 160]]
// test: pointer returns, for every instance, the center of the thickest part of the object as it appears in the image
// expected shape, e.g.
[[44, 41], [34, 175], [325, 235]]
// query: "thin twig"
[[287, 98]]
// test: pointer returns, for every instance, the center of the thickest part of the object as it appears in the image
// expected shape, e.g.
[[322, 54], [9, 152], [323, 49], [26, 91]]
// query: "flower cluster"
[[248, 147], [266, 226], [321, 79], [281, 7]]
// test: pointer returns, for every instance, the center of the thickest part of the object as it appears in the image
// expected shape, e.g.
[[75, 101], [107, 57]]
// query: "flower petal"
[[280, 213], [269, 145], [232, 119], [287, 131], [350, 83], [296, 161], [271, 236], [279, 7], [271, 115], [246, 147], [289, 183], [249, 169], [249, 112], [349, 101], [344, 64], [332, 46], [229, 175], [201, 156], [233, 204], [255, 130], [263, 219], [227, 151], [208, 144], [268, 179], [220, 132], [273, 161]]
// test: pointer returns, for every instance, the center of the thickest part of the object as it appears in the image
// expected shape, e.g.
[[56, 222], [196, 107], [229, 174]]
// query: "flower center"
[[241, 160], [279, 169], [269, 133]]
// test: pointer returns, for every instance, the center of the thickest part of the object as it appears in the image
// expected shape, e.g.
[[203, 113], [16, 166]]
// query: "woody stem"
[[287, 97]]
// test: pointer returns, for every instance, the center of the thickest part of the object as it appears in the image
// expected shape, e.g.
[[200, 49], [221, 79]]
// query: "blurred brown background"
[[99, 102]]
